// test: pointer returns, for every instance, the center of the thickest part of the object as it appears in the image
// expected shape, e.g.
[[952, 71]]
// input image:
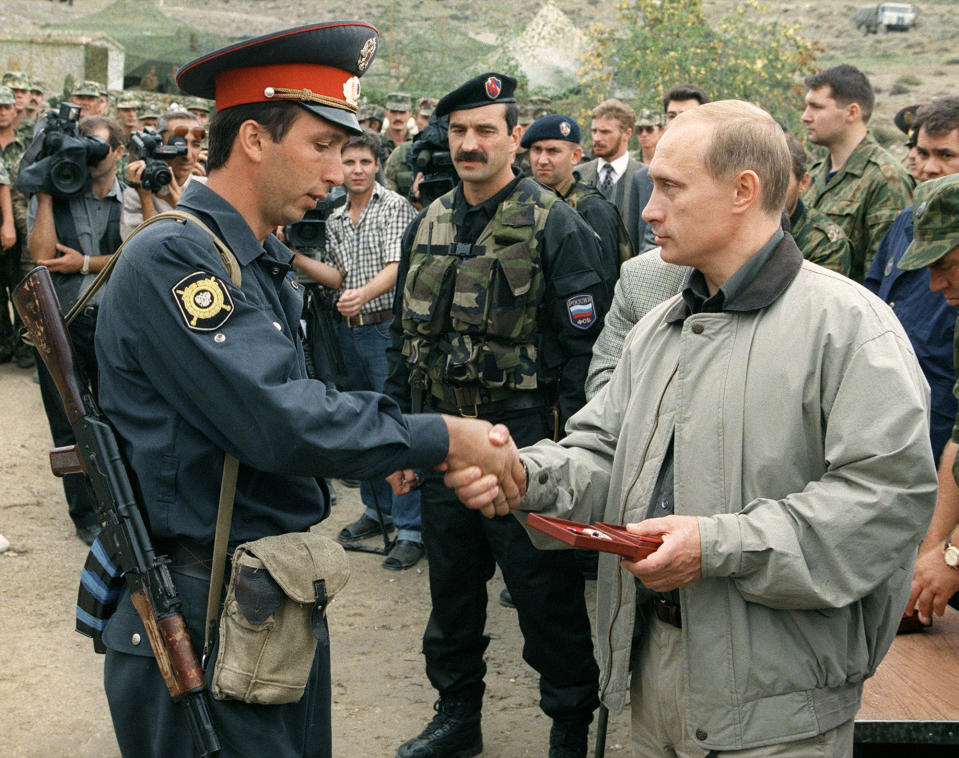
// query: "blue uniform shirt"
[[191, 366], [927, 318]]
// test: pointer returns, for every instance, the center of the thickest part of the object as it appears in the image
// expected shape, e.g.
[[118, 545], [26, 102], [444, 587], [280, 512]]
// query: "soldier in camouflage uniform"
[[522, 161], [935, 246], [818, 239], [399, 108], [19, 83], [858, 184], [12, 146], [499, 299]]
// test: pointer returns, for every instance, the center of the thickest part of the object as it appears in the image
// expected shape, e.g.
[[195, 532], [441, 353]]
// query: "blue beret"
[[553, 126], [317, 66], [481, 90]]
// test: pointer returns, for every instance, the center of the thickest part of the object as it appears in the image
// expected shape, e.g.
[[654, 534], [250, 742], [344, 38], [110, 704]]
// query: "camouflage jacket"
[[863, 198], [819, 239], [10, 157], [397, 172], [482, 313]]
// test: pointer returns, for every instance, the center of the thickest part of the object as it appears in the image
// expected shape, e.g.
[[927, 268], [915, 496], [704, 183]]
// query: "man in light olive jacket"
[[740, 427]]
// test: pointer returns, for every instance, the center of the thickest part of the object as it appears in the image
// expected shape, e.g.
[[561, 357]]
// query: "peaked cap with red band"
[[318, 66], [479, 91]]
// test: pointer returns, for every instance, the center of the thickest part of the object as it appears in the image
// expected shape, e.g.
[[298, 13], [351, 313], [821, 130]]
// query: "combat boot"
[[454, 732], [568, 739]]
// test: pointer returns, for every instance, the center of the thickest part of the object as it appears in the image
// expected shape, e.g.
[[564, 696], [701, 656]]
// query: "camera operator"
[[141, 203], [74, 238]]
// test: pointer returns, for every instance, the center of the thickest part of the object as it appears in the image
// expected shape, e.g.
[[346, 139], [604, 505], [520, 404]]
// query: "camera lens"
[[67, 175]]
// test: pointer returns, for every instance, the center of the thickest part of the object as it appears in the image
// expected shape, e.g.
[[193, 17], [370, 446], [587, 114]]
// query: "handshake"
[[482, 465]]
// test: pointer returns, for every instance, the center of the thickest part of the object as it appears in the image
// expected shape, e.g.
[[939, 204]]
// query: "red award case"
[[608, 538]]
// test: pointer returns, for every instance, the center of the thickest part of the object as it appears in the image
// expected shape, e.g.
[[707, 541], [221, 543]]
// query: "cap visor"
[[337, 116], [918, 256]]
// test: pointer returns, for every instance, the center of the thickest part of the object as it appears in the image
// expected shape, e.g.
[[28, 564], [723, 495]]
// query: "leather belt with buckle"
[[668, 612], [368, 319]]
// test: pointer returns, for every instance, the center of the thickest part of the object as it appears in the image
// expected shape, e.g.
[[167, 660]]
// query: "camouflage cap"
[[649, 117], [37, 85], [526, 114], [198, 104], [15, 80], [935, 214], [149, 109], [128, 100], [365, 111], [87, 88], [6, 96], [399, 101], [425, 105]]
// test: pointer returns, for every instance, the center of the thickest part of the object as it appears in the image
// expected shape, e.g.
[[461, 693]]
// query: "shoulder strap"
[[230, 262]]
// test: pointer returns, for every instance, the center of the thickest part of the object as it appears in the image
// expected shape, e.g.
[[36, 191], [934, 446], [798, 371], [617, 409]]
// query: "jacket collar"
[[772, 278]]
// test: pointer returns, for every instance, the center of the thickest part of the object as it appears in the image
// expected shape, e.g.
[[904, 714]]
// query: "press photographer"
[[432, 165], [74, 236], [165, 165]]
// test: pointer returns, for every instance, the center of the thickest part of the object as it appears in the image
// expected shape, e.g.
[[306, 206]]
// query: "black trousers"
[[81, 501], [148, 724], [547, 587]]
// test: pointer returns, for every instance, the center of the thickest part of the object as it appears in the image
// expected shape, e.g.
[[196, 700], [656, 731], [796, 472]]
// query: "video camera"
[[56, 161], [148, 146], [430, 155], [311, 230]]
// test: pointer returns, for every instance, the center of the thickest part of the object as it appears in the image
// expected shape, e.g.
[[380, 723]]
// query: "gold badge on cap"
[[366, 54], [351, 91], [204, 301]]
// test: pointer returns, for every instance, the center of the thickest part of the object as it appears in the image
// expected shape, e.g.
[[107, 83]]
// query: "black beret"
[[553, 126], [317, 66], [481, 90]]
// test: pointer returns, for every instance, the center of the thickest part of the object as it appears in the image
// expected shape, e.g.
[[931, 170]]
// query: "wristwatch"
[[951, 555], [85, 268]]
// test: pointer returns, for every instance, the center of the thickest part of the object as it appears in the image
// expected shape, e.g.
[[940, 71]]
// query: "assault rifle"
[[97, 455]]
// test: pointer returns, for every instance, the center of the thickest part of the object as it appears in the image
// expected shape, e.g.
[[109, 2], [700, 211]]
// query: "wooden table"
[[913, 698]]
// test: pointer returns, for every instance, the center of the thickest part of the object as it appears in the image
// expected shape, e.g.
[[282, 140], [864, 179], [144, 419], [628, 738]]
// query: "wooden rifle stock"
[[98, 456]]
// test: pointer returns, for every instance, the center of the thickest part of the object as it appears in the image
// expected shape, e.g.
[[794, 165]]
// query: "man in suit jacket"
[[680, 98], [613, 167]]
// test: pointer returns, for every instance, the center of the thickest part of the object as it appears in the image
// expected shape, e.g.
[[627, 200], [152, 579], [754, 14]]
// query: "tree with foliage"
[[656, 44]]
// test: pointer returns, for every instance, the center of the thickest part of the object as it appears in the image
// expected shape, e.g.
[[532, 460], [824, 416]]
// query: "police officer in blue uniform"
[[194, 366], [500, 294]]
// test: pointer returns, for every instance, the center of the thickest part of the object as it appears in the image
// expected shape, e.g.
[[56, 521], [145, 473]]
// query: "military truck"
[[886, 17]]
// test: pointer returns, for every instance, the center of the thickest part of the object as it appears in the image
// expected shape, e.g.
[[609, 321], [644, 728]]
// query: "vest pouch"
[[462, 362], [272, 618], [512, 315], [428, 292], [471, 297], [513, 365]]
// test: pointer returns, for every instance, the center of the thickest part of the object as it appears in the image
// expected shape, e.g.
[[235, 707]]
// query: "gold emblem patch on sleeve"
[[204, 301]]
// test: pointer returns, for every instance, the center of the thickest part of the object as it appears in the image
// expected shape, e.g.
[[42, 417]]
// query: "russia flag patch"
[[582, 314]]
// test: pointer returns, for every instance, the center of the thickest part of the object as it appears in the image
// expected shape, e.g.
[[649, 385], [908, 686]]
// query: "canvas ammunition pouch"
[[274, 616], [469, 315]]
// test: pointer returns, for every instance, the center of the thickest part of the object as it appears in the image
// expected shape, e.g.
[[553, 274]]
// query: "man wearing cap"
[[500, 295], [370, 115], [13, 144], [19, 83], [935, 246], [424, 109], [35, 100], [86, 94], [200, 108], [927, 317], [649, 128], [553, 146], [399, 108], [905, 121], [196, 362], [397, 171], [127, 105]]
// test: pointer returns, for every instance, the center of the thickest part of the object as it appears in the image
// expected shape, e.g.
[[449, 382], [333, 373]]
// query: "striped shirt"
[[360, 252]]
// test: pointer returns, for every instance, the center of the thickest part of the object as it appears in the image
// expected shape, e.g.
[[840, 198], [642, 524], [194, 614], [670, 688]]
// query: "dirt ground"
[[51, 697]]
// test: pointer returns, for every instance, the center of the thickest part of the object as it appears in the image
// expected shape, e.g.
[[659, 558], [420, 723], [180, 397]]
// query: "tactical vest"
[[469, 315]]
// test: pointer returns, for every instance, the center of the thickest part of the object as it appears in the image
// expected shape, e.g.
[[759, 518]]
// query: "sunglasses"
[[646, 129], [197, 132]]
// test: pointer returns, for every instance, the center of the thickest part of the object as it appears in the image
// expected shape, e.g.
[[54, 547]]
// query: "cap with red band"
[[318, 66]]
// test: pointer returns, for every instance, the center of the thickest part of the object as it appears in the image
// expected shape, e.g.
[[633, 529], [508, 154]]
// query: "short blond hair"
[[745, 137], [618, 110]]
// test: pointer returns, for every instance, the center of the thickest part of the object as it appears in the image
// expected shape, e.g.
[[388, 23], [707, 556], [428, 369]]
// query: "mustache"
[[470, 155]]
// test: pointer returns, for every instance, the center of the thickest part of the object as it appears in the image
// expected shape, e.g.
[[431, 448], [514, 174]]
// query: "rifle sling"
[[224, 515]]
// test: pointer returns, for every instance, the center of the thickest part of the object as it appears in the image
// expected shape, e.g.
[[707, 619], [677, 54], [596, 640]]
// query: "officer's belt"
[[368, 319], [189, 557], [516, 401]]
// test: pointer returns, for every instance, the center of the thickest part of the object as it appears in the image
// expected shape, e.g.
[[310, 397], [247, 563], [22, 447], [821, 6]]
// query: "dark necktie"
[[606, 185]]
